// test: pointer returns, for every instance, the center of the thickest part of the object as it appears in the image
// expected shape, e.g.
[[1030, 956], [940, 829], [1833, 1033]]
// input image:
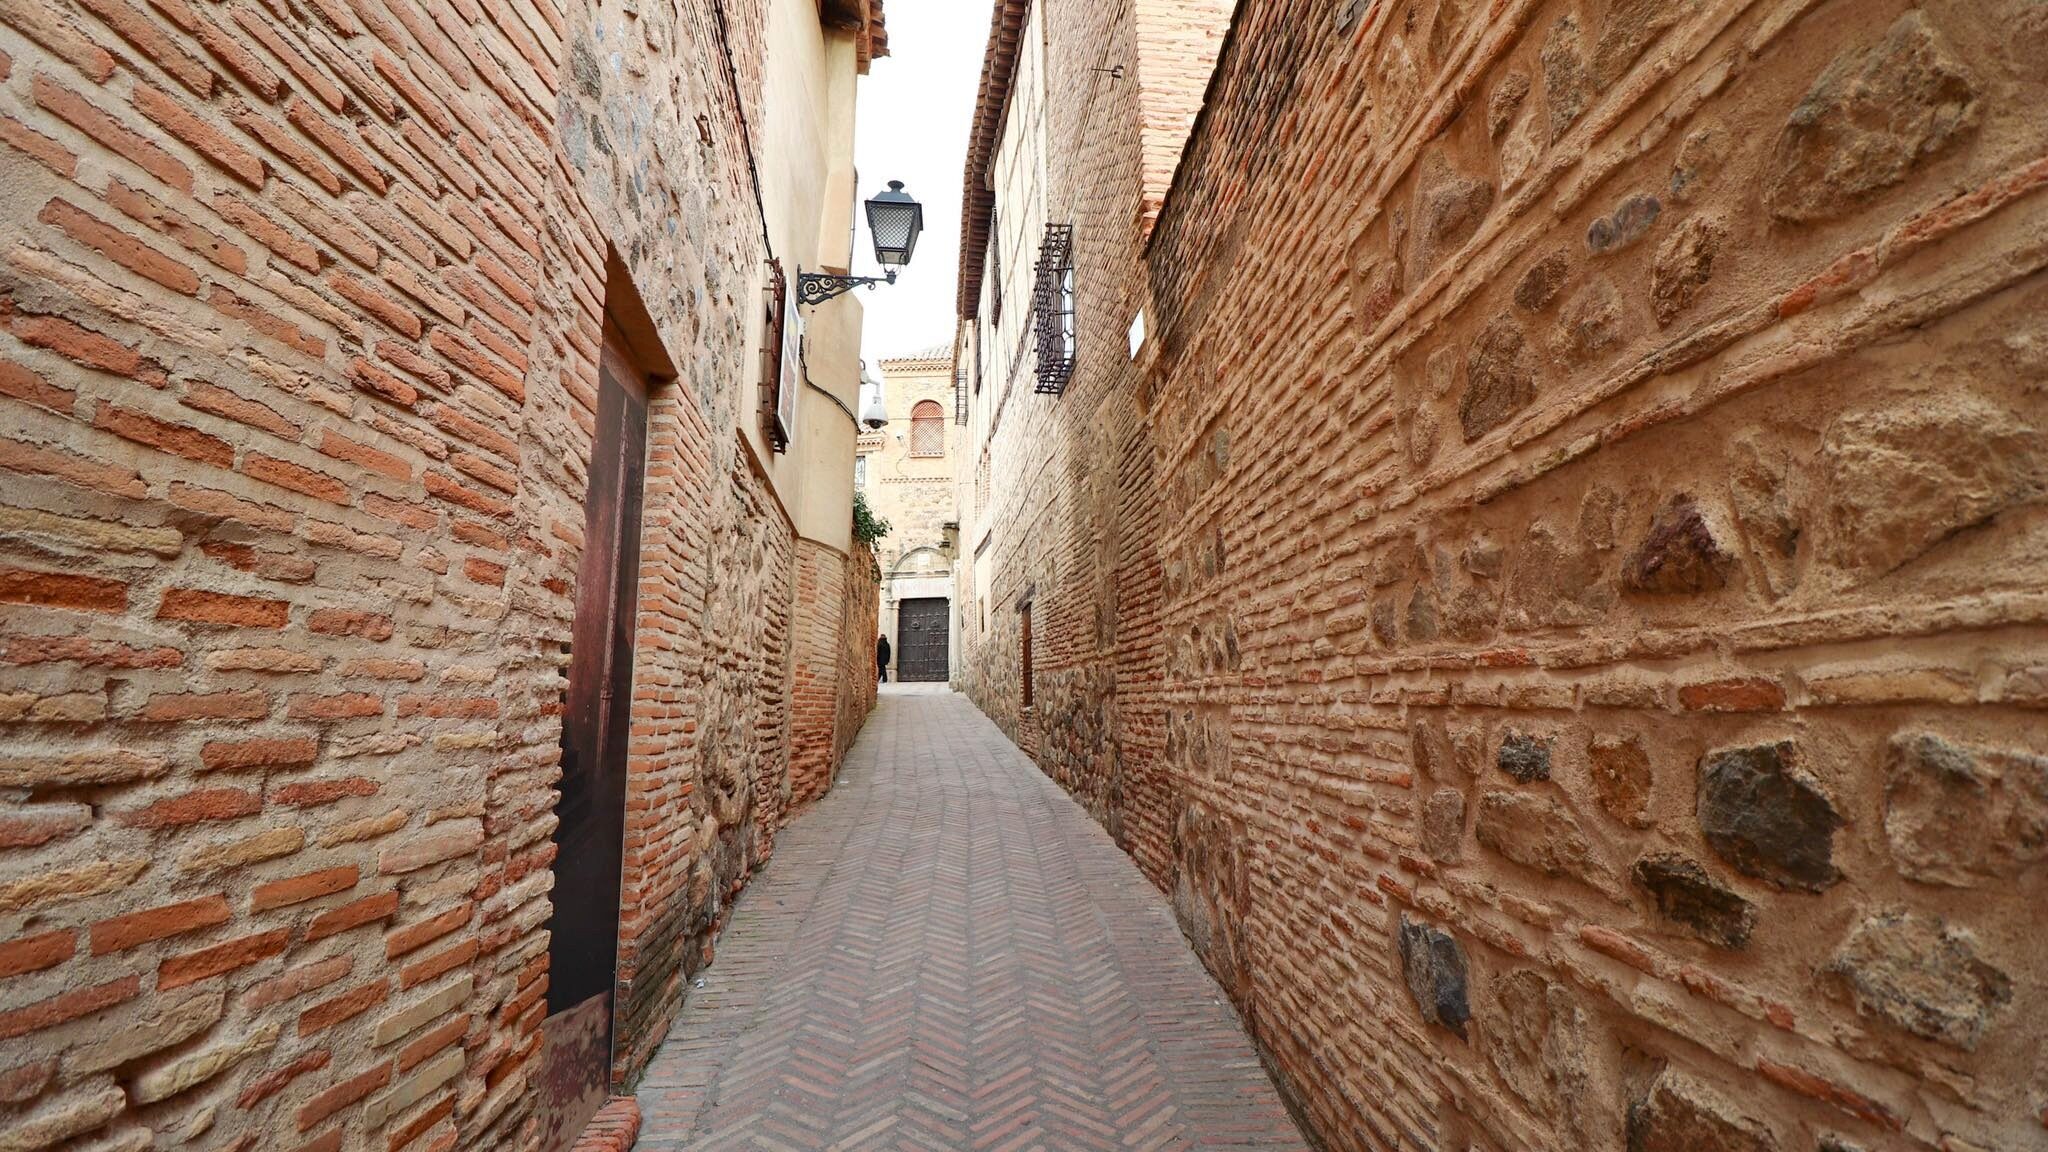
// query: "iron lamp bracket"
[[818, 287]]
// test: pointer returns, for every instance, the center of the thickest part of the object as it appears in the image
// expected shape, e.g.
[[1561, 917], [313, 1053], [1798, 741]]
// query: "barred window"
[[778, 411], [1052, 304], [928, 429], [995, 268], [860, 471]]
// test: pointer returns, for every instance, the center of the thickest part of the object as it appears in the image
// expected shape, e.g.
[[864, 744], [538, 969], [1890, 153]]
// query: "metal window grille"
[[960, 393], [1052, 303], [774, 300], [995, 268], [927, 429]]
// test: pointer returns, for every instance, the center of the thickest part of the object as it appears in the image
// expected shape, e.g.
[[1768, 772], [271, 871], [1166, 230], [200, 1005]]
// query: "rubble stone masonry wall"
[[1599, 452], [300, 309]]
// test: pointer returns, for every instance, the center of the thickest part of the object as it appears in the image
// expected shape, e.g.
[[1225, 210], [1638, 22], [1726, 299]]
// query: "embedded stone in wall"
[[1429, 751], [1629, 28], [1685, 263], [1590, 323], [1680, 553], [1470, 612], [1536, 1040], [1508, 97], [1449, 207], [1919, 974], [1629, 222], [1699, 160], [1421, 624], [1443, 825], [1904, 478], [1761, 490], [1208, 893], [1444, 28], [1541, 283], [1483, 557], [1621, 778], [1872, 115], [1564, 75], [1958, 815], [1515, 1037], [1686, 893], [1537, 832], [1434, 965], [1679, 1114], [1526, 758], [1498, 379], [1766, 816]]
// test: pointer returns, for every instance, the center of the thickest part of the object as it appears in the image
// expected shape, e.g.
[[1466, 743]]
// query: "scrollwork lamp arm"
[[818, 287]]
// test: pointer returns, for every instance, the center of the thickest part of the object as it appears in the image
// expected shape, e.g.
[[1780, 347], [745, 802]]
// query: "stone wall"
[[856, 696], [300, 322], [1599, 452]]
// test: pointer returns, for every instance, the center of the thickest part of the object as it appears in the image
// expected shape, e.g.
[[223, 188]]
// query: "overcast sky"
[[914, 110]]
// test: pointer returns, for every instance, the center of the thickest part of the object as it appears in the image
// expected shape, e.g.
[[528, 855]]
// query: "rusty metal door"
[[590, 836], [922, 628]]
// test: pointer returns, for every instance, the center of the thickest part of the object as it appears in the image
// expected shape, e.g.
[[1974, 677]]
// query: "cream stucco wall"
[[805, 153]]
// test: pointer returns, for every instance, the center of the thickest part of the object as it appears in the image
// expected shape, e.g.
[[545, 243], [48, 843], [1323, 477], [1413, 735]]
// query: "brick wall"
[[1598, 452], [834, 676], [300, 322], [856, 695]]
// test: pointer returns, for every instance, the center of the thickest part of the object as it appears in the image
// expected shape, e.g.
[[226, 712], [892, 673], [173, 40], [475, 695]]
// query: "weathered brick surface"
[[300, 315], [834, 677], [1596, 563]]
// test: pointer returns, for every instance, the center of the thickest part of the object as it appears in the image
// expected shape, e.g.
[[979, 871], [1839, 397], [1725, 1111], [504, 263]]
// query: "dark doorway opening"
[[923, 634], [583, 945]]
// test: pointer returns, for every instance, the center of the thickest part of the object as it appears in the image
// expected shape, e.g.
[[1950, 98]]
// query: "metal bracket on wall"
[[818, 287]]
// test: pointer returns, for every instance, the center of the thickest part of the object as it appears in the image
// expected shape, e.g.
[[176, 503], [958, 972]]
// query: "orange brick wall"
[[1597, 452], [835, 663], [299, 316]]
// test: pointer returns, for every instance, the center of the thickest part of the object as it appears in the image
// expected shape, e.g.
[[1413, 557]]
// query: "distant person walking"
[[881, 659]]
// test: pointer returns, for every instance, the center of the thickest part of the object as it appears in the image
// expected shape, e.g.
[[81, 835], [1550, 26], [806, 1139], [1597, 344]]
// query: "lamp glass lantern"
[[894, 221]]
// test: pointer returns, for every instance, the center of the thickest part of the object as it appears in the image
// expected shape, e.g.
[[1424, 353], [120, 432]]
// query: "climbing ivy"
[[868, 528]]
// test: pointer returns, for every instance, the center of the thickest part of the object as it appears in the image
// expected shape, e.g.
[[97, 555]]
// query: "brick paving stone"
[[947, 953]]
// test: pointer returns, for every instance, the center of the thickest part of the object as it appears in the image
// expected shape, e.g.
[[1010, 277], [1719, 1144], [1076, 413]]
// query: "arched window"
[[927, 429]]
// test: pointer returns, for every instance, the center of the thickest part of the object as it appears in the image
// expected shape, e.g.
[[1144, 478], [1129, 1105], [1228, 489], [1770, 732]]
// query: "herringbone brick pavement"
[[947, 953]]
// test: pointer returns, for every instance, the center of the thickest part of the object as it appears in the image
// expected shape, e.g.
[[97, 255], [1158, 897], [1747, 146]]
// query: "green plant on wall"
[[868, 528]]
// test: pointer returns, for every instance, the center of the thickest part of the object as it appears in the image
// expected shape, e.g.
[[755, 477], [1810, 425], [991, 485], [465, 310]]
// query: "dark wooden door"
[[590, 836], [921, 639]]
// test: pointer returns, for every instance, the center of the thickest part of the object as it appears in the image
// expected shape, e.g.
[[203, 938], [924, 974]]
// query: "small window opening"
[[927, 429], [1053, 309], [1024, 625]]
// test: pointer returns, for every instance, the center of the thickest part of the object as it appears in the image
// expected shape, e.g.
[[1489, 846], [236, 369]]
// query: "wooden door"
[[590, 836], [922, 632]]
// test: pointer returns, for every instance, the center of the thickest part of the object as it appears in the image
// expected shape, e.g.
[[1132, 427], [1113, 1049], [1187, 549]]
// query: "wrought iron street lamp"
[[894, 221]]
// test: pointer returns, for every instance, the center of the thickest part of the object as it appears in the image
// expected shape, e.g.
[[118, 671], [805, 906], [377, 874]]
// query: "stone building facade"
[[906, 469], [1552, 586], [313, 329]]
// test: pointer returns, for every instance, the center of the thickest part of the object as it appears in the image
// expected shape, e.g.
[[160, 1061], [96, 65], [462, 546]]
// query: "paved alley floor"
[[946, 953]]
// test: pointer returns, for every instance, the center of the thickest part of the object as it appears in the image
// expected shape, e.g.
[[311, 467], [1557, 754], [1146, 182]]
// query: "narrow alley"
[[947, 953], [1023, 575]]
